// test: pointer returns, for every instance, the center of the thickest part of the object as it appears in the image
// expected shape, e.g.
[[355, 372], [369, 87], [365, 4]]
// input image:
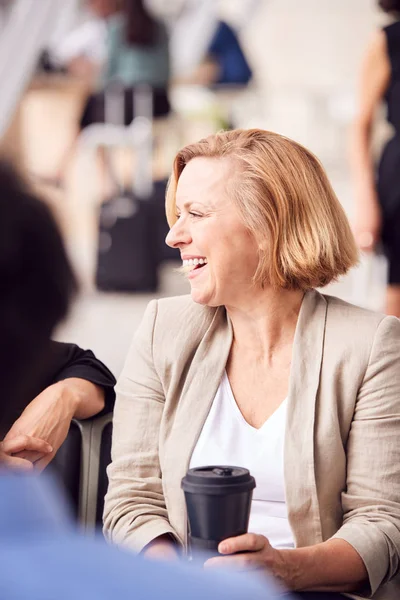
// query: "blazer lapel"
[[301, 491], [201, 384]]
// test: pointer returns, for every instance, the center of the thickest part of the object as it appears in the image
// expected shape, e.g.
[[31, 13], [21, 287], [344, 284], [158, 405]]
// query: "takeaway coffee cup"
[[218, 501]]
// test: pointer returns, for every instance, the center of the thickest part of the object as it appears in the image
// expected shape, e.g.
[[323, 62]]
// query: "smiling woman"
[[259, 227], [204, 230]]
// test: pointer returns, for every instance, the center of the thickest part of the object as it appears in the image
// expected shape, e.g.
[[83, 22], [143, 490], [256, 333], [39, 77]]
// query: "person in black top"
[[378, 199], [36, 287]]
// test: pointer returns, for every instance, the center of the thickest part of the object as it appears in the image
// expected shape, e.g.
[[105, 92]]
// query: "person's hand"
[[367, 224], [248, 552], [162, 548], [47, 417], [12, 448]]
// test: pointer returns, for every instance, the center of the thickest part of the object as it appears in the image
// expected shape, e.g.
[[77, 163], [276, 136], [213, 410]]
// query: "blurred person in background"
[[136, 53], [42, 555], [378, 194], [204, 49], [68, 382], [256, 368]]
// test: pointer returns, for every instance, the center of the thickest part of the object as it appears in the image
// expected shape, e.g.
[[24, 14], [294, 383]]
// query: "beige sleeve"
[[135, 511], [371, 502]]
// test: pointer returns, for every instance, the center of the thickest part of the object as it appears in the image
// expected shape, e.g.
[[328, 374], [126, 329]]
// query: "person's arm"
[[78, 386], [365, 551], [48, 416], [95, 393], [375, 76], [135, 512], [332, 566]]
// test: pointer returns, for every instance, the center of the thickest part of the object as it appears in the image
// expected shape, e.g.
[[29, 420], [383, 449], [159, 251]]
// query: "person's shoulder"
[[353, 332], [351, 315], [357, 323]]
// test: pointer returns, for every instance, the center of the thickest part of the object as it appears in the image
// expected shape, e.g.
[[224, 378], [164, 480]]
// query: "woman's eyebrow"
[[190, 203]]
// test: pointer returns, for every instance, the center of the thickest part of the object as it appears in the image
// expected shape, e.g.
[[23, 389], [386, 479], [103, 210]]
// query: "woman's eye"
[[195, 215]]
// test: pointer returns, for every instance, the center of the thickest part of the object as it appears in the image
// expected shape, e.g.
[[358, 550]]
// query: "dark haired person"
[[378, 197], [61, 381], [137, 53], [32, 299]]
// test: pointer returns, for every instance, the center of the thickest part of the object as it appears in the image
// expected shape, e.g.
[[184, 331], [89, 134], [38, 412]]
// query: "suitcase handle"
[[138, 135]]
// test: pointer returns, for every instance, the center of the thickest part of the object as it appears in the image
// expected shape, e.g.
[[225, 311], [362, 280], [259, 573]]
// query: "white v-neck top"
[[227, 439]]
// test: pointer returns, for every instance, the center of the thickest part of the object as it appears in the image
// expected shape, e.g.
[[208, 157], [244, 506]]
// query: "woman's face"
[[210, 230]]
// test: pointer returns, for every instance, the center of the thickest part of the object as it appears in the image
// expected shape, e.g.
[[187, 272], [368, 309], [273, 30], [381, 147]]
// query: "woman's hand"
[[162, 548], [248, 552], [331, 566], [367, 224], [19, 445], [47, 417]]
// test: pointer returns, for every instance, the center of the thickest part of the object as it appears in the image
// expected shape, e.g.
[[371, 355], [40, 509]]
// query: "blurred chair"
[[80, 466]]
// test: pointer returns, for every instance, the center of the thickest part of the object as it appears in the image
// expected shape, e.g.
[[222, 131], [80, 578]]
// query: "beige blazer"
[[342, 441]]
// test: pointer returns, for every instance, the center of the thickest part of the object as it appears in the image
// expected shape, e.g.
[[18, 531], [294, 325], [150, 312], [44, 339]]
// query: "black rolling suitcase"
[[127, 258], [131, 245]]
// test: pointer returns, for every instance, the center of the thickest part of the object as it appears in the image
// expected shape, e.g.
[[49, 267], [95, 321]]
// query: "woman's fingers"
[[25, 442], [246, 552], [249, 542], [238, 562]]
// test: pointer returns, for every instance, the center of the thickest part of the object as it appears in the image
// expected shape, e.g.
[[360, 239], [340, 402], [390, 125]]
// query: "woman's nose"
[[178, 235]]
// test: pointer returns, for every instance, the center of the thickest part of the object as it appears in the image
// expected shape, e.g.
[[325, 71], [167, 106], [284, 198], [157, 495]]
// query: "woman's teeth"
[[192, 262]]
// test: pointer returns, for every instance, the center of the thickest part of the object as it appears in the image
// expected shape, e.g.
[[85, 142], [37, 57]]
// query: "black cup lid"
[[218, 479]]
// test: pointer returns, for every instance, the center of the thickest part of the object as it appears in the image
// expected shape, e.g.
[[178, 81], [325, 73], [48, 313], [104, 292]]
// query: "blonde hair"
[[285, 199]]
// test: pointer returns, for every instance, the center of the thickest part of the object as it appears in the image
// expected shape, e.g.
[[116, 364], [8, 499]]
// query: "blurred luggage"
[[127, 257], [132, 223]]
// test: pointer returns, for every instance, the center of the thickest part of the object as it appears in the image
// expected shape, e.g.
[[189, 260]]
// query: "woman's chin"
[[200, 296], [205, 298]]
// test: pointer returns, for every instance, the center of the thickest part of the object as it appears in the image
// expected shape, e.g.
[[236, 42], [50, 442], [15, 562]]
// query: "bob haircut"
[[286, 201]]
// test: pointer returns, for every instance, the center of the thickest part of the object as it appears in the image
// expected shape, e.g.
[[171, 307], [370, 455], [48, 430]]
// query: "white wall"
[[306, 55]]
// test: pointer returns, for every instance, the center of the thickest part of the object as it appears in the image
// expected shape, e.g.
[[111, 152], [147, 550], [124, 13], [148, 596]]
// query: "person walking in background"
[[137, 53], [378, 198], [206, 50]]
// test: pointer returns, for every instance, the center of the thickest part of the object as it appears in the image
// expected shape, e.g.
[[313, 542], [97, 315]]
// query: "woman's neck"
[[267, 321]]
